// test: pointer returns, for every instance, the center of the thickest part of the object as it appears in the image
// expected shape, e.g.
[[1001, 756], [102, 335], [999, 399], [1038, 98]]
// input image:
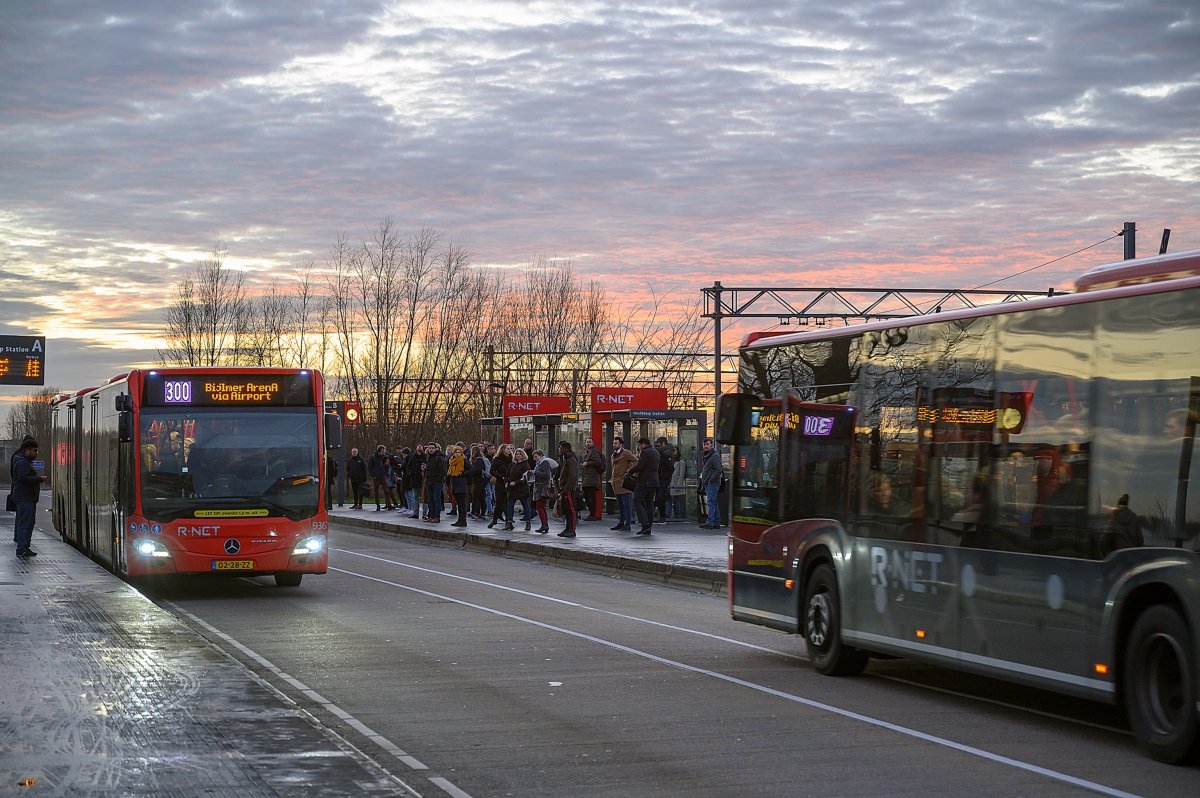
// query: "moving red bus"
[[1008, 490], [196, 470]]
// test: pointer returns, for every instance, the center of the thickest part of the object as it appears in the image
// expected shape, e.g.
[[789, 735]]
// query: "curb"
[[681, 576]]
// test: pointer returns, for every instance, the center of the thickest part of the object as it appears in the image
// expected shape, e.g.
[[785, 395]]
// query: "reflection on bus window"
[[757, 469]]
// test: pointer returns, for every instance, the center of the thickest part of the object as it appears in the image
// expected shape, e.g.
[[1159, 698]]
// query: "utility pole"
[[1129, 232], [716, 317]]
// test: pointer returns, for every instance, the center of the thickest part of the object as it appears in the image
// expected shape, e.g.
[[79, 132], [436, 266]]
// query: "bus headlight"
[[150, 548], [311, 545]]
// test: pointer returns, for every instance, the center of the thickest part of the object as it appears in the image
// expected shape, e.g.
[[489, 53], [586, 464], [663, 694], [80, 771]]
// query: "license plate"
[[233, 565]]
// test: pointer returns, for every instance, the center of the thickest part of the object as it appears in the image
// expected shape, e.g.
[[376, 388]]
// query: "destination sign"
[[22, 360], [227, 390]]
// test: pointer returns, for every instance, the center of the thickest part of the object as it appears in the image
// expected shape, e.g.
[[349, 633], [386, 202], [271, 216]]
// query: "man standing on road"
[[26, 489], [647, 485], [568, 482], [593, 477], [711, 471]]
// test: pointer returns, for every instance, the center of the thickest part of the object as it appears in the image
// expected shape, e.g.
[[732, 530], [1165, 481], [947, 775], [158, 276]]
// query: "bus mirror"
[[122, 402], [333, 431], [732, 418], [125, 426]]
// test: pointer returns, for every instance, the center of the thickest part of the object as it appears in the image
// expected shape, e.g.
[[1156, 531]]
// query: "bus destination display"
[[229, 390]]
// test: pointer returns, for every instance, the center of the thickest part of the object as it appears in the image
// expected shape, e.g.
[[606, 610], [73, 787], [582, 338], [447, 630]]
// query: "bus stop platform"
[[106, 694], [677, 553]]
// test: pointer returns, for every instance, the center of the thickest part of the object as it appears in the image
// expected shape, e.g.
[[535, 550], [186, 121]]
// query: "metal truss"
[[724, 302], [821, 305]]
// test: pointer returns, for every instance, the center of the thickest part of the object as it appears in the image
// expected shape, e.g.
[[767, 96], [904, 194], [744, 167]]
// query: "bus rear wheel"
[[288, 579], [823, 627], [1160, 688]]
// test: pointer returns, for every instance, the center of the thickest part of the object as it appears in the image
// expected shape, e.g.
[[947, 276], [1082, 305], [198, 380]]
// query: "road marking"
[[724, 677], [741, 643], [567, 603], [329, 706]]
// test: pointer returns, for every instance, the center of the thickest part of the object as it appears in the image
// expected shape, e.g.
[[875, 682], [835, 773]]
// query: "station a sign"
[[22, 360]]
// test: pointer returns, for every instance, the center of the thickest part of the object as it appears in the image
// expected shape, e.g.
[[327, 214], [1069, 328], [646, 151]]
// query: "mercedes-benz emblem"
[[232, 546]]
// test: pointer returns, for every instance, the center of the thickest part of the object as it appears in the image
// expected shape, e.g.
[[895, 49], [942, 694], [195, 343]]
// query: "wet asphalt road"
[[489, 676]]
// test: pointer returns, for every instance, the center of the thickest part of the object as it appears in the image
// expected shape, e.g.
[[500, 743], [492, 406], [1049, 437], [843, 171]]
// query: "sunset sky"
[[909, 144]]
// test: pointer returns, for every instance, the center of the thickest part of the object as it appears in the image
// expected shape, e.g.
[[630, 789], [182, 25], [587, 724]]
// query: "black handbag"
[[629, 482], [10, 505]]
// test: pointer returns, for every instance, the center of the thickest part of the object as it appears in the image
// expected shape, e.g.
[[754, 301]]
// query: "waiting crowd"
[[487, 482]]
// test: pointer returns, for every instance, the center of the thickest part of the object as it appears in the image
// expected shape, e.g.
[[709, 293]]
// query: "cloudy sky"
[[910, 144]]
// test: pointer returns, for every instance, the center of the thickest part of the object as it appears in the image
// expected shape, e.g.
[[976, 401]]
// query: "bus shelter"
[[683, 429], [491, 430], [548, 429]]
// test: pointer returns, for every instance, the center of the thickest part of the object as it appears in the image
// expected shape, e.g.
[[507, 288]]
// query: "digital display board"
[[813, 423], [227, 390], [22, 360]]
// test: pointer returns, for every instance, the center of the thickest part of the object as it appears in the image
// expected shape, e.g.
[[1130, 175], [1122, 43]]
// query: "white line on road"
[[740, 643], [556, 600], [845, 713], [329, 706]]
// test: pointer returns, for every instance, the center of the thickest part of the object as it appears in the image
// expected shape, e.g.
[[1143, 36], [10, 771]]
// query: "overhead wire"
[[1047, 263]]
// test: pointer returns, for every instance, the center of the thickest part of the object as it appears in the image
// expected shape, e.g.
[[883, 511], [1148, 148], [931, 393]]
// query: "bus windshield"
[[258, 461], [756, 475]]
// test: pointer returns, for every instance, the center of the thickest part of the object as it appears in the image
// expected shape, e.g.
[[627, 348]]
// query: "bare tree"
[[31, 415], [203, 322], [265, 322], [309, 313]]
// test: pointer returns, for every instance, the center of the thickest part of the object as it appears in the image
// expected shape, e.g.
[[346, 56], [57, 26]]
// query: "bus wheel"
[[1160, 691], [823, 627], [288, 579]]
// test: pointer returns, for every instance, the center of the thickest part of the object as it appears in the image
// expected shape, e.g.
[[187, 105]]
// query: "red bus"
[[1009, 490], [196, 471]]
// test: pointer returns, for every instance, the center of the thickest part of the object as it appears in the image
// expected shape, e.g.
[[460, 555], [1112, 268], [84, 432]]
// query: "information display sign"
[[22, 360]]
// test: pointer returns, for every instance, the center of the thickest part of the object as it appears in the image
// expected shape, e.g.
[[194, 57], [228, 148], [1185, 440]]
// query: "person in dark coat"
[[646, 470], [666, 468], [711, 474], [500, 465], [517, 489], [414, 473], [357, 474], [593, 467], [399, 464], [481, 474], [26, 490], [331, 472], [379, 466], [568, 483], [436, 468]]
